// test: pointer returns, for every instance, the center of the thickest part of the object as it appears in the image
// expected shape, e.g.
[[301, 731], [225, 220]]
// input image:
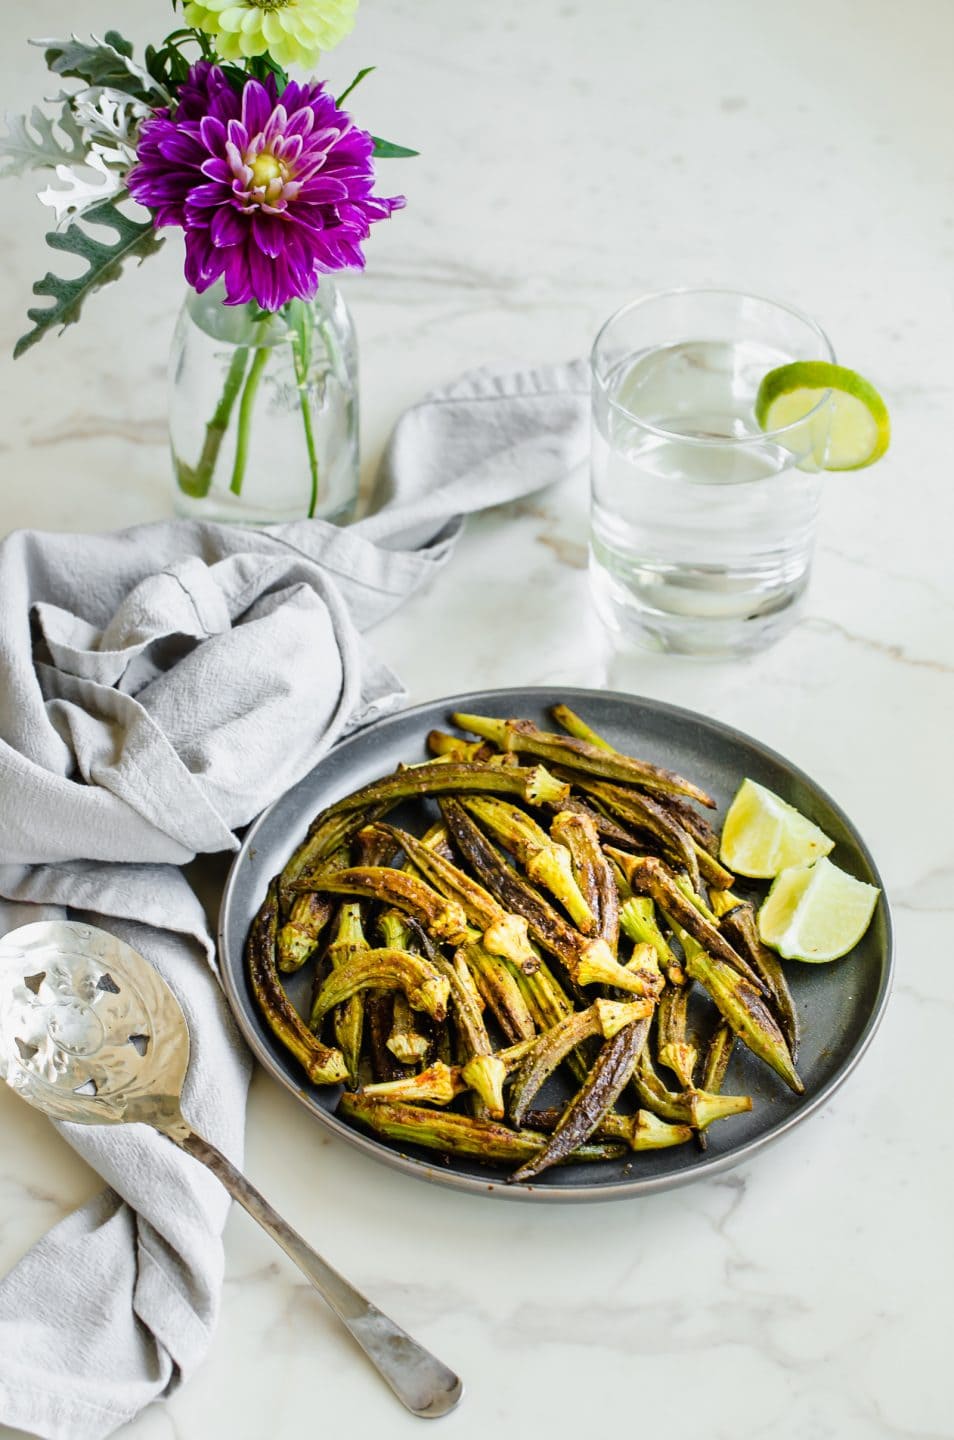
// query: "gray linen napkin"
[[158, 688]]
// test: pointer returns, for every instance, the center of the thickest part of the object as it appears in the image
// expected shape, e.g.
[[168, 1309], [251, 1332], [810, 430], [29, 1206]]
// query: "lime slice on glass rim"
[[860, 426], [763, 834], [816, 912]]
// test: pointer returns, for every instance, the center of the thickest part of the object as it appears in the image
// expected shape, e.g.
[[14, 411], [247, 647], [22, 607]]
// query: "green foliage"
[[368, 70], [40, 148], [384, 150], [261, 66], [104, 261], [104, 62], [168, 66]]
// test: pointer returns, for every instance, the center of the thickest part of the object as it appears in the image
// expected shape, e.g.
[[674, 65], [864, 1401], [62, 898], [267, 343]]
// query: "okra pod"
[[457, 748], [322, 1065], [349, 939], [546, 862], [425, 988], [603, 1017], [638, 920], [503, 933], [593, 872], [328, 833], [444, 919], [718, 1054], [439, 1084], [587, 961], [696, 1108], [298, 937], [457, 1134], [576, 726], [650, 877], [534, 784], [609, 1075], [523, 737], [746, 1011], [646, 814], [500, 991], [674, 1049], [406, 1042], [642, 1131], [741, 928]]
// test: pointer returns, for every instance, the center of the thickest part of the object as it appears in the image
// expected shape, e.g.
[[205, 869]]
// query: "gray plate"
[[840, 1004]]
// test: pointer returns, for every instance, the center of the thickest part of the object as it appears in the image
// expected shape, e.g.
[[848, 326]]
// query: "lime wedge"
[[860, 426], [763, 834], [816, 912]]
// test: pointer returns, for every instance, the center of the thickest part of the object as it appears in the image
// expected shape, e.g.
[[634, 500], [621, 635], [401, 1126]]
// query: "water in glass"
[[702, 526]]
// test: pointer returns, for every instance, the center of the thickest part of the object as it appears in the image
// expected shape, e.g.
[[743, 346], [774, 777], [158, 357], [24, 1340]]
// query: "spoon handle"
[[419, 1380]]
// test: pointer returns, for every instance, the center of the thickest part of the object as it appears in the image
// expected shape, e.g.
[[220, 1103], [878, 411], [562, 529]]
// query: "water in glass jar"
[[701, 525]]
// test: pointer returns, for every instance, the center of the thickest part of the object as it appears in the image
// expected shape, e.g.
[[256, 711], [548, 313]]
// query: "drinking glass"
[[702, 523]]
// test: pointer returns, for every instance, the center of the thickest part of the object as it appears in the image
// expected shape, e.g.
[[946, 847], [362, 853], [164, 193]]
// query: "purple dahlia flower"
[[271, 192]]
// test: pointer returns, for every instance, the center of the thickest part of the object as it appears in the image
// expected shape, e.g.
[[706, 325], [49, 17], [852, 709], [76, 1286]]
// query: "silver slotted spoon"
[[90, 1032]]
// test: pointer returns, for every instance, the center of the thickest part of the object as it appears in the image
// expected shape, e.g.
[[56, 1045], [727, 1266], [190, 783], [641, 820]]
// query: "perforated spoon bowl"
[[90, 1032]]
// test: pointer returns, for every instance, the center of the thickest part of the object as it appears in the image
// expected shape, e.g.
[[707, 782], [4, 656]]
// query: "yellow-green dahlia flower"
[[294, 32]]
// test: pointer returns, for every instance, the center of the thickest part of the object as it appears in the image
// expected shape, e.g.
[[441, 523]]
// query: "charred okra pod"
[[650, 877], [592, 870], [349, 1018], [718, 1054], [444, 919], [425, 988], [546, 862], [609, 1075], [322, 1065], [674, 1049], [604, 1017], [638, 920], [502, 933], [588, 961], [741, 928], [747, 1013], [455, 747], [457, 1134], [439, 1084], [406, 1042], [500, 990], [642, 1131], [690, 819], [645, 814], [328, 833], [523, 737], [696, 1108], [534, 784], [298, 937]]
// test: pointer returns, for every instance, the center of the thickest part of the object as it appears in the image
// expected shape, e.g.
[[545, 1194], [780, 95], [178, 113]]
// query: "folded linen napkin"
[[158, 688]]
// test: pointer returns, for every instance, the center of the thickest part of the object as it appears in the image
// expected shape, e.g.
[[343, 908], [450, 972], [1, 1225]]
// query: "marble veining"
[[573, 156]]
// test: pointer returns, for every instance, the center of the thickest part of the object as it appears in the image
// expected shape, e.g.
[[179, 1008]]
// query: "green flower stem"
[[245, 418], [198, 482], [312, 451], [301, 321]]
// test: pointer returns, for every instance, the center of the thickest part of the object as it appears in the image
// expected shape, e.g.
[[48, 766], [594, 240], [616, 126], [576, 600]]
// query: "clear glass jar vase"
[[263, 409]]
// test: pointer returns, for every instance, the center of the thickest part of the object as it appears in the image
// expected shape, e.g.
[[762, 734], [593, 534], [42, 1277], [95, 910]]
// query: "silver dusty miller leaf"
[[103, 62], [81, 193], [109, 118], [32, 142]]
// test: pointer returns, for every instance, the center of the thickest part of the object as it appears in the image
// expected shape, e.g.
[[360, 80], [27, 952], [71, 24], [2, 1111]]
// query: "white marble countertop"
[[574, 155]]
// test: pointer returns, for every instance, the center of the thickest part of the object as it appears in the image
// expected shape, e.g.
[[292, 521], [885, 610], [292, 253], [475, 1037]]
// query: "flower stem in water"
[[197, 482], [301, 323], [245, 418]]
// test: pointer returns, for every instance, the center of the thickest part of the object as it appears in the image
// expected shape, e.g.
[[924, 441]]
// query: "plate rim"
[[632, 1187]]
